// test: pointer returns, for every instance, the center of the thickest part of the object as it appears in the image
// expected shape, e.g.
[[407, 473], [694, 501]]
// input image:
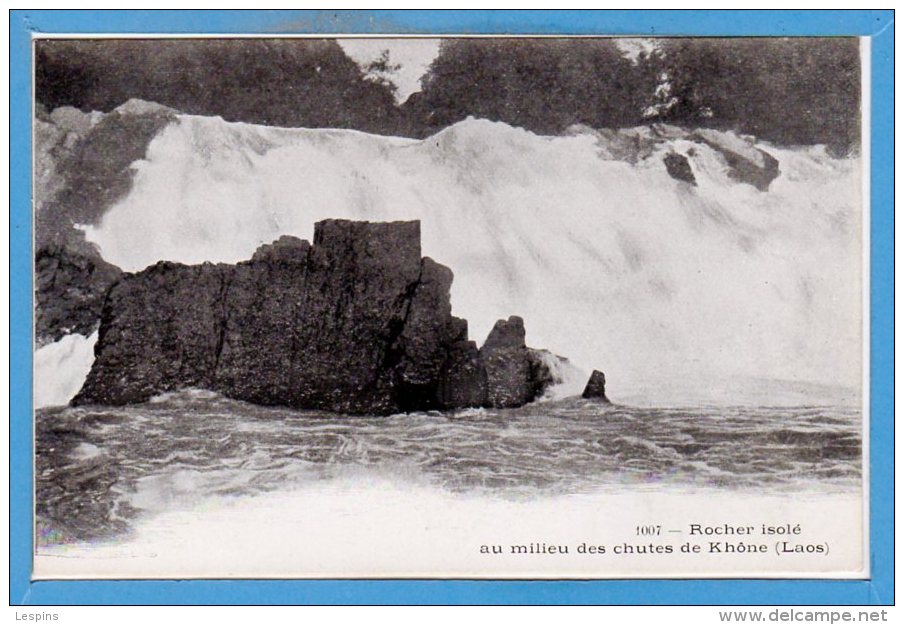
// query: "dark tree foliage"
[[280, 82], [543, 85], [378, 69], [788, 91]]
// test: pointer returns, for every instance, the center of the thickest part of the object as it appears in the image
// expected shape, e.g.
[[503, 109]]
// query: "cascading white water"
[[611, 263], [568, 380], [61, 368]]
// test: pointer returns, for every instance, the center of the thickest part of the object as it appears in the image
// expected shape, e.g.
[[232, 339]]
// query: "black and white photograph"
[[450, 307]]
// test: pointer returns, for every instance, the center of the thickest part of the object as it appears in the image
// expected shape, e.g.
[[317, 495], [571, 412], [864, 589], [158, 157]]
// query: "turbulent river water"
[[100, 470]]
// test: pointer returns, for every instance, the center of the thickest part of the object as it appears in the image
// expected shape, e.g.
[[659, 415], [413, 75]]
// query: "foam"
[[352, 527], [61, 368]]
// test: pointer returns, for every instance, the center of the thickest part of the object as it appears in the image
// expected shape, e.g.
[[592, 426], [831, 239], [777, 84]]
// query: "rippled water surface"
[[100, 469]]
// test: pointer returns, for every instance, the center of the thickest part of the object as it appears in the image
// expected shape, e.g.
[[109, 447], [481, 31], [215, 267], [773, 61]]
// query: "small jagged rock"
[[596, 387], [678, 168]]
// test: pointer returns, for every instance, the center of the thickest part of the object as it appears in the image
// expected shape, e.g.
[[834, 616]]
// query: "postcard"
[[445, 307]]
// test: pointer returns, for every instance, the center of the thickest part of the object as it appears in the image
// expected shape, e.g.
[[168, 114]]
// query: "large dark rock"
[[596, 387], [356, 323]]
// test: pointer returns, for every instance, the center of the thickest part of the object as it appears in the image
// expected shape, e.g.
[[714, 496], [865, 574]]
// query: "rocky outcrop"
[[596, 387], [759, 172], [71, 282], [678, 168], [83, 162], [356, 323], [746, 163]]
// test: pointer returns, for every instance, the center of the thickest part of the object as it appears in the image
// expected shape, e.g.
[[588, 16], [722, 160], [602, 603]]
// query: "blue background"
[[878, 590]]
